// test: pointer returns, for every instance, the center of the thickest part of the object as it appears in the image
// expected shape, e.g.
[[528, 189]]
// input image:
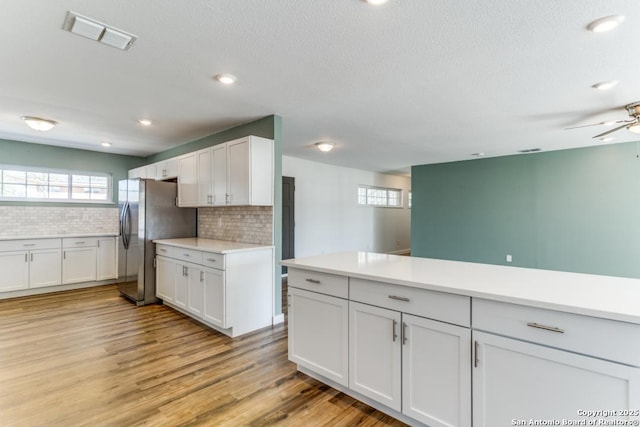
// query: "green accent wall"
[[39, 155], [574, 210]]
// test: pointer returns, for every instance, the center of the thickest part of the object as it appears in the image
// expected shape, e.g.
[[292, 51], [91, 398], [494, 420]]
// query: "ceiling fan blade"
[[611, 122], [610, 131]]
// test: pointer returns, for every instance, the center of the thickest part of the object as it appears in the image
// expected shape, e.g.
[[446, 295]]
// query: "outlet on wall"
[[509, 258]]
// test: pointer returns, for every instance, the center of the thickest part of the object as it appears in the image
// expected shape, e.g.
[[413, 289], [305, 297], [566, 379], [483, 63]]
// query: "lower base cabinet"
[[515, 382]]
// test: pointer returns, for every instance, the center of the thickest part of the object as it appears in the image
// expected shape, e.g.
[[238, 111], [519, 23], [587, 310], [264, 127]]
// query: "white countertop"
[[60, 236], [608, 297], [211, 245]]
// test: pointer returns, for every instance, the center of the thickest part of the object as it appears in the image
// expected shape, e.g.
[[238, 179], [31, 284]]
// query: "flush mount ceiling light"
[[605, 24], [226, 79], [607, 139], [375, 2], [478, 154], [325, 146], [605, 85], [105, 144], [635, 128], [96, 30], [145, 122], [39, 124]]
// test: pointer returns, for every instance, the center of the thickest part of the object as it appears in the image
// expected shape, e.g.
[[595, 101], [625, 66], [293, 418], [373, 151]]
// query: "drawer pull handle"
[[30, 244], [211, 259], [162, 250], [404, 333], [80, 243], [395, 323], [546, 328], [397, 298], [187, 255], [317, 282]]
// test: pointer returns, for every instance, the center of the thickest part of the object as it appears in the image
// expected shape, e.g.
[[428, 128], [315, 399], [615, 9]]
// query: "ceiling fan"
[[633, 123]]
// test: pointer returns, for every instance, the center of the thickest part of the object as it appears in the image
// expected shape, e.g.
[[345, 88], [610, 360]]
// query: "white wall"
[[328, 217]]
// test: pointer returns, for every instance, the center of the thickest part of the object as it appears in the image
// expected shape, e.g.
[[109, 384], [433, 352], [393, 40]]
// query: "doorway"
[[288, 222]]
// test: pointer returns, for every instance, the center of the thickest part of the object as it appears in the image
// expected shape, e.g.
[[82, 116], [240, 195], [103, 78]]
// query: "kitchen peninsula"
[[447, 343]]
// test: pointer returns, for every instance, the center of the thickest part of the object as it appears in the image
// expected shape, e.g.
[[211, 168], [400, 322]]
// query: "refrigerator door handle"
[[126, 227]]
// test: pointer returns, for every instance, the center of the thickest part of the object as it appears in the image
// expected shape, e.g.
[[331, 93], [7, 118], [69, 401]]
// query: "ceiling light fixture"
[[226, 79], [145, 122], [39, 124], [606, 139], [605, 85], [376, 2], [635, 128], [325, 146], [605, 24], [105, 144], [478, 154]]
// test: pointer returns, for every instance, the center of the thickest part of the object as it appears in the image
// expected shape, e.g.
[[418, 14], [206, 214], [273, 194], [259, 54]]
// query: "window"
[[379, 196], [41, 184]]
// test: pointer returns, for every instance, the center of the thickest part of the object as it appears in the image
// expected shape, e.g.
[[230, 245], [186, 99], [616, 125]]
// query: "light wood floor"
[[90, 358]]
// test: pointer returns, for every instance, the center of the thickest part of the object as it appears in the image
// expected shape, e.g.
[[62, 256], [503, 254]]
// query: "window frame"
[[70, 185], [386, 190]]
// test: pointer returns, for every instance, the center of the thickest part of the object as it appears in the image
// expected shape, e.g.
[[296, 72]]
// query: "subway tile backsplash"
[[34, 221], [246, 224]]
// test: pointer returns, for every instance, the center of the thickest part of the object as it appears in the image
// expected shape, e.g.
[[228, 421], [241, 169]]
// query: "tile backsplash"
[[246, 224], [34, 221]]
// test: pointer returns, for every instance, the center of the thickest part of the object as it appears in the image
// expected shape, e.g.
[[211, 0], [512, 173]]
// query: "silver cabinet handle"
[[546, 328], [476, 359], [317, 282], [64, 254], [162, 250], [202, 276], [29, 244], [404, 333], [187, 255], [397, 298], [80, 243], [395, 323], [26, 259], [186, 271], [211, 259], [32, 257]]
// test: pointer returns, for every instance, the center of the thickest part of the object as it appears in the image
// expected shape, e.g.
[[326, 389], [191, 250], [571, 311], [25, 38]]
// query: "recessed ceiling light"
[[606, 139], [376, 2], [105, 144], [145, 122], [325, 146], [478, 154], [226, 79], [605, 24], [610, 123], [39, 124], [605, 85]]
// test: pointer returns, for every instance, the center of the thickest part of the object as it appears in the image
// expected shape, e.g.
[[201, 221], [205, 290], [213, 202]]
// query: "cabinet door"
[[436, 372], [182, 285], [106, 262], [15, 270], [195, 295], [375, 367], [204, 177], [165, 279], [79, 265], [239, 173], [219, 175], [215, 297], [514, 381], [170, 169], [319, 334], [45, 268], [188, 180]]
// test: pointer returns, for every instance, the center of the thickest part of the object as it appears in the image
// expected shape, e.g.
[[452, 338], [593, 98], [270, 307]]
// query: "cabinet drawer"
[[79, 242], [29, 244], [329, 284], [440, 306], [187, 255], [213, 260], [603, 338], [164, 250]]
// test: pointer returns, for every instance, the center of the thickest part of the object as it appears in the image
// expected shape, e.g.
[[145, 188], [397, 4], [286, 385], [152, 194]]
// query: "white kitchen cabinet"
[[79, 259], [15, 270], [165, 278], [516, 380], [436, 372], [139, 172], [250, 171], [219, 175], [45, 268], [205, 192], [231, 292], [188, 180], [107, 258], [215, 298], [319, 333], [166, 169], [375, 351]]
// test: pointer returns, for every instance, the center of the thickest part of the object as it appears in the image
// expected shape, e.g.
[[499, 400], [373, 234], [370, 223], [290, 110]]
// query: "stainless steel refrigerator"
[[148, 211]]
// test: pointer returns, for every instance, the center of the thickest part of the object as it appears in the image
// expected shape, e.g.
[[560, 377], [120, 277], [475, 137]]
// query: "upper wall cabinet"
[[166, 169], [236, 173]]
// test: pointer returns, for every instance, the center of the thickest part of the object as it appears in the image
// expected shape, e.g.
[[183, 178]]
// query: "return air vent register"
[[95, 30]]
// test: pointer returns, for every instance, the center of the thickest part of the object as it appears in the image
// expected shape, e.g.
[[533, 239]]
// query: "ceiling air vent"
[[95, 30]]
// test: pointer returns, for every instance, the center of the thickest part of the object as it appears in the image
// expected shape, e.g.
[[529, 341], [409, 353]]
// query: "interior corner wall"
[[574, 210], [328, 217]]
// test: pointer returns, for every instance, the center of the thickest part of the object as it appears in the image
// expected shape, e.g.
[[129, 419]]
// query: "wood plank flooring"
[[90, 358]]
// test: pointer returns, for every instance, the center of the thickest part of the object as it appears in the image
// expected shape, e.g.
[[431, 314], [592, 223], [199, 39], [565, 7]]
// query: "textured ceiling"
[[410, 82]]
